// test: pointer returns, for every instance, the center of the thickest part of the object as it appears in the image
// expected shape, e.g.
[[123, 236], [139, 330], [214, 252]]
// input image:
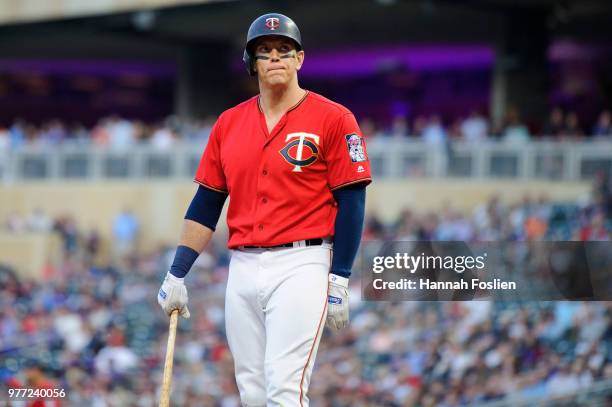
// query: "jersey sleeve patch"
[[356, 151]]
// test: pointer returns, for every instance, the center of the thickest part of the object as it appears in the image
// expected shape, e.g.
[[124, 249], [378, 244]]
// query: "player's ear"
[[300, 59]]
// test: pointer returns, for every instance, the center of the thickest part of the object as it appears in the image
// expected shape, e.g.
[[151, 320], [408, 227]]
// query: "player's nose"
[[274, 54]]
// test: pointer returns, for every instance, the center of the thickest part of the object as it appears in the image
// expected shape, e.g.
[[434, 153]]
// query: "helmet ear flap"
[[248, 61]]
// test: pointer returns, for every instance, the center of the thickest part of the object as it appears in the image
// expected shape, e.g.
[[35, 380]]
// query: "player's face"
[[277, 60]]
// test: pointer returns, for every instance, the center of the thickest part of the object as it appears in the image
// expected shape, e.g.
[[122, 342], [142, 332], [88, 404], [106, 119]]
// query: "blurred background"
[[486, 120]]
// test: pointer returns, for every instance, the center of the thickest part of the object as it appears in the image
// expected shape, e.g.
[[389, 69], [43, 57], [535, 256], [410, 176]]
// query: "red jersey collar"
[[288, 110]]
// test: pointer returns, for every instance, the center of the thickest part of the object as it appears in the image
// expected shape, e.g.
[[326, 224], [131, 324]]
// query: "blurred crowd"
[[477, 127], [119, 133], [96, 330], [74, 239], [112, 132], [98, 334], [533, 218]]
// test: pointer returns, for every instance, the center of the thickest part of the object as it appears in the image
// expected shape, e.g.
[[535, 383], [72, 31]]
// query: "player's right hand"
[[173, 295]]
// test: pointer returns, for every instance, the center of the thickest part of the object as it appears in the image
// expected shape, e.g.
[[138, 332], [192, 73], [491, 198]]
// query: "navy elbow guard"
[[206, 207]]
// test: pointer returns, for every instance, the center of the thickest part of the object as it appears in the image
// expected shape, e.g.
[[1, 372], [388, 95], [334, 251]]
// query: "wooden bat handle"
[[167, 382]]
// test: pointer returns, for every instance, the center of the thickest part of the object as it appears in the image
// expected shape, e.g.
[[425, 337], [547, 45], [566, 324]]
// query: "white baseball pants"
[[275, 310]]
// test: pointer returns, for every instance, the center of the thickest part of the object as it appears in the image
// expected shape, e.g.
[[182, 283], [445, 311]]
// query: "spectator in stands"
[[52, 133], [198, 130], [163, 137], [121, 133], [405, 227], [603, 128], [18, 134], [474, 128], [38, 221], [125, 232], [454, 130], [140, 130], [5, 140], [572, 128], [596, 230], [33, 136], [69, 325], [373, 227], [368, 127], [433, 132], [100, 134], [563, 382], [515, 131], [15, 223], [66, 227], [535, 228], [602, 194], [206, 127], [419, 125], [92, 245], [115, 359], [78, 134], [488, 220], [556, 123], [399, 127], [454, 226], [5, 144]]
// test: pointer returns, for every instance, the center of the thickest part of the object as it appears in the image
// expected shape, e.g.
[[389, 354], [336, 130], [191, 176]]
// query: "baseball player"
[[296, 167]]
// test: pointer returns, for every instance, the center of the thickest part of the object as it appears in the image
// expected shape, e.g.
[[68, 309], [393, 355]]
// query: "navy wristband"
[[183, 260]]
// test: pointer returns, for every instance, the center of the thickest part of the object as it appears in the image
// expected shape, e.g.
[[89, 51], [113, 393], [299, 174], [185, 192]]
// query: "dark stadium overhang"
[[325, 24], [203, 42]]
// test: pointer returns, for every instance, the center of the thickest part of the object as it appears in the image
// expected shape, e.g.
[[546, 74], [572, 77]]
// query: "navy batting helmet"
[[269, 24]]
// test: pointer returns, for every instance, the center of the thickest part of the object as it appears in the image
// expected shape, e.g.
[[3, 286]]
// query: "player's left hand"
[[337, 302]]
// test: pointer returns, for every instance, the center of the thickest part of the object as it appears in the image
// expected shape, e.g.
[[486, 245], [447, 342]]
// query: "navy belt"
[[299, 243]]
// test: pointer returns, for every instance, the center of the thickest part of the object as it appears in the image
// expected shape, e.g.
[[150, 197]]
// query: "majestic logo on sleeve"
[[301, 152], [355, 148]]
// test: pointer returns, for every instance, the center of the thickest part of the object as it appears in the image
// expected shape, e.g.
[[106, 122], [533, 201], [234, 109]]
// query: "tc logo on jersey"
[[272, 23], [295, 153], [355, 147]]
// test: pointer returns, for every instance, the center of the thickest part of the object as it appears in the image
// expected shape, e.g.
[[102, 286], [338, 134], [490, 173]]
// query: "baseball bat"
[[167, 380]]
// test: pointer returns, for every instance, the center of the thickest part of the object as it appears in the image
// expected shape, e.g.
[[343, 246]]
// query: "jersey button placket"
[[262, 199]]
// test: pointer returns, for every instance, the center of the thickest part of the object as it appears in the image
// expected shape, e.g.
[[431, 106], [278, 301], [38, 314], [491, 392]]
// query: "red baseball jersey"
[[280, 183]]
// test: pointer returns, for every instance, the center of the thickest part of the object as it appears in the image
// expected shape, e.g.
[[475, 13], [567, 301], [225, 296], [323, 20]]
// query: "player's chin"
[[277, 79], [277, 73]]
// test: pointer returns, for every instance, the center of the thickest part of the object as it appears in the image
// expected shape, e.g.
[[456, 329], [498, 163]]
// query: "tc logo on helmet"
[[272, 23], [294, 152]]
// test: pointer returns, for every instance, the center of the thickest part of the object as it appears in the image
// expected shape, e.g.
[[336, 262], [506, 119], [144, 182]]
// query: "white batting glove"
[[173, 295], [337, 302]]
